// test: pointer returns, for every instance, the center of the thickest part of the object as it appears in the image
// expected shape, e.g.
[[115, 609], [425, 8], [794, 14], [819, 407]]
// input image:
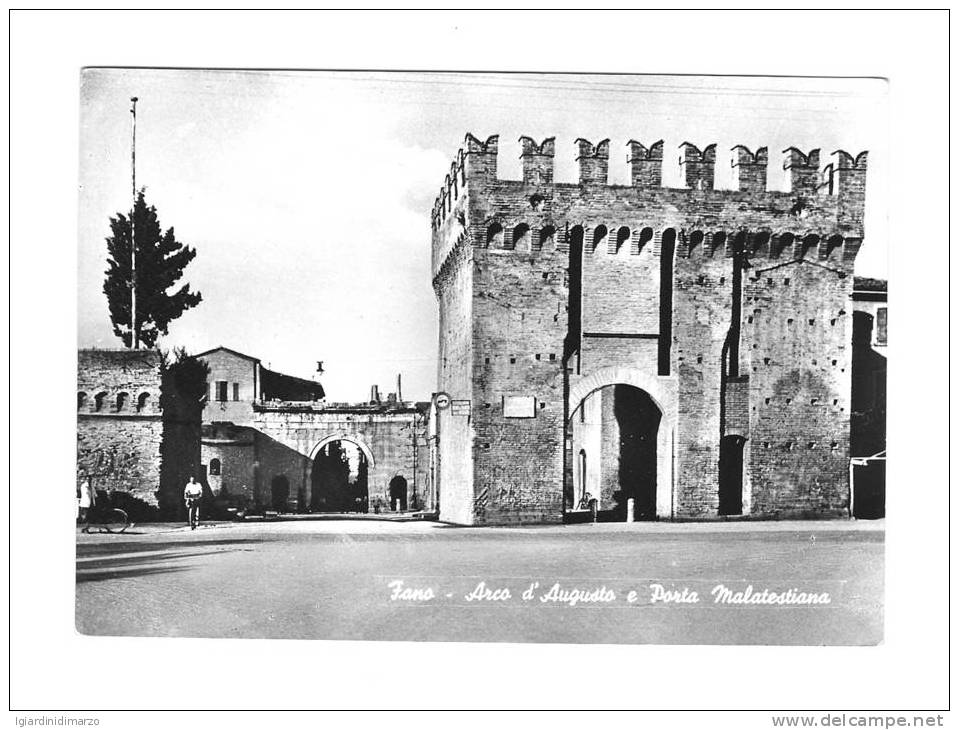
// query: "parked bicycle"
[[106, 519]]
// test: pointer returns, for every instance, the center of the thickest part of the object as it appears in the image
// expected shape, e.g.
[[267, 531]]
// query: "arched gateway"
[[620, 424]]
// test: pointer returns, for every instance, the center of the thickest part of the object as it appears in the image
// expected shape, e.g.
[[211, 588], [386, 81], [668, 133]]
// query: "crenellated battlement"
[[537, 160], [531, 215], [845, 178], [645, 164], [751, 168], [700, 166]]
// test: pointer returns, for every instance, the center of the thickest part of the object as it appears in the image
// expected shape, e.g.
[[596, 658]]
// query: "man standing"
[[191, 495], [87, 500]]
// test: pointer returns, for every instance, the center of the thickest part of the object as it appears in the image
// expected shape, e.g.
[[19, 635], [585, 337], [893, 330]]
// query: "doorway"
[[339, 479], [615, 434]]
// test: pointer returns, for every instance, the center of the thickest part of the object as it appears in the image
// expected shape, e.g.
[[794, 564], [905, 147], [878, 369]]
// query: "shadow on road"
[[106, 561]]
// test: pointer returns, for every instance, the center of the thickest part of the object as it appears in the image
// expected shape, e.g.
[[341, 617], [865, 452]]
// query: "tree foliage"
[[160, 261]]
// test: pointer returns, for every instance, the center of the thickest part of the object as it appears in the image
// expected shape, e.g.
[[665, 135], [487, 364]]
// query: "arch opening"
[[398, 493], [731, 475], [615, 431], [494, 236], [339, 478]]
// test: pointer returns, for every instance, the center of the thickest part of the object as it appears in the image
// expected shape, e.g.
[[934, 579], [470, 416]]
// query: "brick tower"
[[670, 353]]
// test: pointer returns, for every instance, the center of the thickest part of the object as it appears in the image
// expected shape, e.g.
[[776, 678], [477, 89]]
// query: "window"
[[142, 401], [599, 236], [520, 238], [881, 316], [122, 399], [98, 400], [214, 467], [494, 236], [81, 399], [546, 237], [221, 390], [236, 391]]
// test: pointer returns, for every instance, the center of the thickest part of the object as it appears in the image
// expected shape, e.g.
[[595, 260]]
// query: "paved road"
[[336, 580]]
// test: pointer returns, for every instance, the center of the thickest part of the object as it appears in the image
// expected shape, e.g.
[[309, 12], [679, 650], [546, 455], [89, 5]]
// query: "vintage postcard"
[[481, 357]]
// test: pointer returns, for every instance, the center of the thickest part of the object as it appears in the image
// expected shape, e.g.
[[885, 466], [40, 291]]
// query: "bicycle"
[[107, 519]]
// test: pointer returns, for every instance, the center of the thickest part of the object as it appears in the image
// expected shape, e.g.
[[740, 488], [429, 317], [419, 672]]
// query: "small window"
[[520, 238], [546, 237], [599, 236], [81, 400], [122, 399], [494, 236], [622, 236], [214, 467], [98, 400], [221, 390], [142, 401], [881, 325], [236, 391]]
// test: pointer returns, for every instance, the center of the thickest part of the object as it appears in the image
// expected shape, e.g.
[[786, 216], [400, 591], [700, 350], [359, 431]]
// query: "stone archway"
[[337, 481], [660, 393]]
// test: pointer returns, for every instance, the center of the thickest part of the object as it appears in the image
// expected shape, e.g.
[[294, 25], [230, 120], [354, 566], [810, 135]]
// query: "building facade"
[[670, 353], [272, 442]]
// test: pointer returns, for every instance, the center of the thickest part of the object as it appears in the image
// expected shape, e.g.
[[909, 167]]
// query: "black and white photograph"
[[660, 363], [479, 358]]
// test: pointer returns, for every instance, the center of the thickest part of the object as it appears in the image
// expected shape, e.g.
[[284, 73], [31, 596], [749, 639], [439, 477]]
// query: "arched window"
[[832, 244], [214, 467], [575, 307], [142, 401], [622, 235], [98, 400], [666, 299], [645, 236], [695, 241], [81, 400], [520, 238], [546, 237], [599, 237], [780, 244], [494, 236], [718, 242], [808, 243], [122, 399], [759, 243]]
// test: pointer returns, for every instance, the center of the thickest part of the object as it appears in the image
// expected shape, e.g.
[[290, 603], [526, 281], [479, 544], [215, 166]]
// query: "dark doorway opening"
[[731, 475], [869, 481], [614, 434], [638, 419], [279, 493], [339, 479], [398, 493]]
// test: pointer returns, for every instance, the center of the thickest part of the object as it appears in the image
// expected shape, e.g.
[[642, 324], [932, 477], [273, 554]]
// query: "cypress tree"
[[160, 261]]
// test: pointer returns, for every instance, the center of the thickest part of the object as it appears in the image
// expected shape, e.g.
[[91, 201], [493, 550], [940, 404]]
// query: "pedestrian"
[[191, 495], [87, 500]]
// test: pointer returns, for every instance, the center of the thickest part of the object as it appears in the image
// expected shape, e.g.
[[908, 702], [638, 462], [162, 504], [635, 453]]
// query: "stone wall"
[[285, 437], [137, 438]]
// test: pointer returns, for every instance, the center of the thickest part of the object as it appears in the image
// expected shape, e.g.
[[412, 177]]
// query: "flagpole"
[[134, 335]]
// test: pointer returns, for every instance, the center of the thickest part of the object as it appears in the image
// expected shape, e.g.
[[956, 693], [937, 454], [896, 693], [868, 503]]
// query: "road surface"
[[718, 583]]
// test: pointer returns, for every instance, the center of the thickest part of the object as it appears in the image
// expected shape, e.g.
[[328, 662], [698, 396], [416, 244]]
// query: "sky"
[[307, 195]]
